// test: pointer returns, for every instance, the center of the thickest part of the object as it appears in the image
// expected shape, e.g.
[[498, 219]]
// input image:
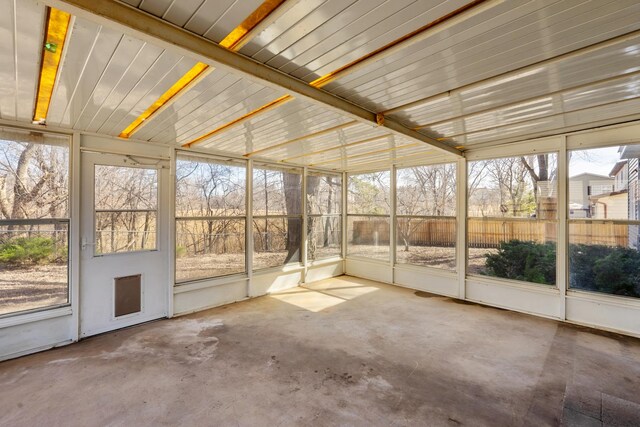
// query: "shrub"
[[181, 251], [26, 250], [523, 260], [614, 270]]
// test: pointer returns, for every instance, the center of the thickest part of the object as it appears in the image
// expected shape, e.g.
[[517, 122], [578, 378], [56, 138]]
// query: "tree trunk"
[[293, 202]]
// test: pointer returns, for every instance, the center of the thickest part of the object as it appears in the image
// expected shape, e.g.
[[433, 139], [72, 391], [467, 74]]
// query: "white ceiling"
[[509, 70]]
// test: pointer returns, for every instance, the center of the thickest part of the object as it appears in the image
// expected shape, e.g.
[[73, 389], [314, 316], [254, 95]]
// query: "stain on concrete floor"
[[373, 355]]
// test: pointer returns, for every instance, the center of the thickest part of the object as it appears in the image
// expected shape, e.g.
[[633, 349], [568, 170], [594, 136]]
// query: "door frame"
[[163, 229]]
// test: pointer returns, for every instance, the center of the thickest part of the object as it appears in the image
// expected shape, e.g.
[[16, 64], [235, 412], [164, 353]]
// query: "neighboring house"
[[632, 154], [584, 186], [613, 204]]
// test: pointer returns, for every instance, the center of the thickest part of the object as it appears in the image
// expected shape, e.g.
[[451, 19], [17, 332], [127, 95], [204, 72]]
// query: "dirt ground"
[[46, 285], [212, 265], [428, 256], [32, 287]]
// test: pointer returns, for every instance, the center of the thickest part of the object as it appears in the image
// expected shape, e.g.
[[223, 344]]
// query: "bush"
[[521, 260], [181, 251], [614, 270], [24, 250]]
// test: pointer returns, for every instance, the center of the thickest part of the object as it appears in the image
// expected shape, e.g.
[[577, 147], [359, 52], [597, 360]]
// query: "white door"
[[124, 242]]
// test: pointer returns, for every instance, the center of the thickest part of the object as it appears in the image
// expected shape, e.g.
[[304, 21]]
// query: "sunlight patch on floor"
[[316, 300]]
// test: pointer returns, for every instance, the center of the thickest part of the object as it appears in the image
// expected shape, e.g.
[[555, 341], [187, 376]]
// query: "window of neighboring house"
[[277, 216], [210, 217], [324, 215], [34, 220], [604, 250], [426, 216], [512, 218], [368, 215]]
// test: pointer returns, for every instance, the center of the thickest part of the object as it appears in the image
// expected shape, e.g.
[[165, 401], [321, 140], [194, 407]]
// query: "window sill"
[[183, 287], [425, 268], [599, 297], [539, 288], [288, 268], [365, 259], [36, 316], [325, 261]]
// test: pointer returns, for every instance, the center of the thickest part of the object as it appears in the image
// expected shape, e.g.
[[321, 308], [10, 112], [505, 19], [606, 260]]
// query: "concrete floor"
[[344, 351]]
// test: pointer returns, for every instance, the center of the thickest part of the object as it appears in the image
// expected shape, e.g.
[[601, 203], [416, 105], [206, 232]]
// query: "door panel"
[[124, 242]]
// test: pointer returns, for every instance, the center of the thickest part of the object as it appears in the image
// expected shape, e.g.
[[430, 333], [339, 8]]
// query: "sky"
[[599, 161]]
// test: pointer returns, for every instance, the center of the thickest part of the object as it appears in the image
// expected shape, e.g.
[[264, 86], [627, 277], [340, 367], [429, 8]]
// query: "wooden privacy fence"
[[485, 233], [599, 233]]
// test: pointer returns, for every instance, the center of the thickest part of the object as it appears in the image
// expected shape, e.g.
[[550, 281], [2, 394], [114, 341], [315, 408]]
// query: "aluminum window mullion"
[[125, 210], [209, 218], [426, 217], [35, 221], [603, 221]]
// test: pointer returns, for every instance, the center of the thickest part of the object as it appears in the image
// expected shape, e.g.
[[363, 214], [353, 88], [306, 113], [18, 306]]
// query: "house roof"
[[617, 167], [592, 175]]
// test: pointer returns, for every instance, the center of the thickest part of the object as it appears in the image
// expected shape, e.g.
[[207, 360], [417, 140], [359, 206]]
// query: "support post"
[[563, 231], [248, 238], [461, 228]]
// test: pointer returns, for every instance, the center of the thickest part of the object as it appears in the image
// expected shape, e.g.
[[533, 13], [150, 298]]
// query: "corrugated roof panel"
[[218, 99], [346, 36], [555, 124], [611, 91], [292, 120], [122, 95], [118, 66], [528, 84], [435, 66], [213, 19], [88, 53], [300, 150], [20, 57], [385, 159], [149, 90]]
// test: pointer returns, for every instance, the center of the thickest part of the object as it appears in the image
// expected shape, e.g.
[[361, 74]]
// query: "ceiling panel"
[[87, 56], [106, 80], [213, 19], [318, 37], [479, 75], [21, 28], [301, 151], [496, 44], [555, 124], [576, 71], [292, 120], [385, 159], [215, 101]]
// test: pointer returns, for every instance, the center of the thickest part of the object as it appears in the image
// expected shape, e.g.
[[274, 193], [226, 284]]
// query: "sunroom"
[[335, 197]]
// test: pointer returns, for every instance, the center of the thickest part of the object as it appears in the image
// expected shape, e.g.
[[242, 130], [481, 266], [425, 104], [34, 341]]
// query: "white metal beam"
[[146, 27]]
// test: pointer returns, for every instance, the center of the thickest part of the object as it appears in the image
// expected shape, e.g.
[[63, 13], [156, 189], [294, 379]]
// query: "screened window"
[[368, 210], [512, 218], [126, 209], [604, 220], [324, 215], [426, 216], [210, 217], [277, 216], [34, 221]]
